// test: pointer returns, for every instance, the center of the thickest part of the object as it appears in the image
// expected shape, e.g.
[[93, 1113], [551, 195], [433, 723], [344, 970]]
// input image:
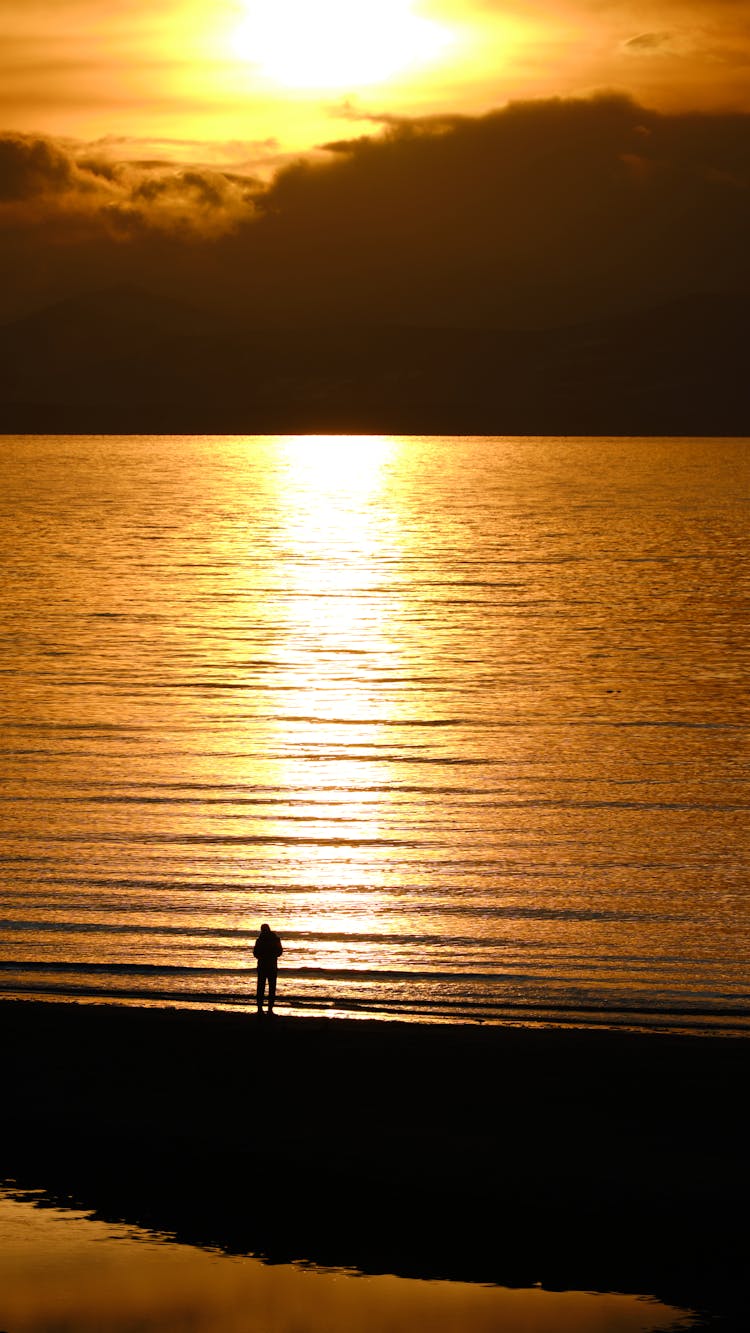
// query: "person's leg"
[[260, 989], [271, 987]]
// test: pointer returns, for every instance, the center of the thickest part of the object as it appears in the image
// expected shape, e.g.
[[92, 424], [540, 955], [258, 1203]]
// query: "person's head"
[[264, 929]]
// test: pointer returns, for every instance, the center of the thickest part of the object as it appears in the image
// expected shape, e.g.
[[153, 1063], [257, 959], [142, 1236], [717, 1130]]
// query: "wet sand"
[[589, 1160]]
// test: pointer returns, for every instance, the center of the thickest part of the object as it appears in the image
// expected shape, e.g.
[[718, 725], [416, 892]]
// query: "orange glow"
[[246, 71]]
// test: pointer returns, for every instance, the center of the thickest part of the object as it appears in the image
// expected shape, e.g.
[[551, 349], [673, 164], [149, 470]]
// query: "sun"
[[335, 45]]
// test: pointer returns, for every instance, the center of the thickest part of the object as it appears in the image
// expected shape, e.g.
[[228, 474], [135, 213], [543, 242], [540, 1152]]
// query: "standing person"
[[267, 950]]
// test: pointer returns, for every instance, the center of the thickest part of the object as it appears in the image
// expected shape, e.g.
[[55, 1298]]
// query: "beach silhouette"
[[523, 1157]]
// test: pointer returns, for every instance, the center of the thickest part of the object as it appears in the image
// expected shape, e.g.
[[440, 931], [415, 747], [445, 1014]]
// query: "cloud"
[[650, 43], [251, 156], [542, 212], [349, 110], [32, 166], [41, 178], [521, 215]]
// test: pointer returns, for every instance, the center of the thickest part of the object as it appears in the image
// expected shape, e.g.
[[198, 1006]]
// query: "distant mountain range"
[[128, 361]]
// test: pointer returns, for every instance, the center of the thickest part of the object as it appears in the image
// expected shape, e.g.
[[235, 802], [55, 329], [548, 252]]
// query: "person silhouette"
[[267, 949]]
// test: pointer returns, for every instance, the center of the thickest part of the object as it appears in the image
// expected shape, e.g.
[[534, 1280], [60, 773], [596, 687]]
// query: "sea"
[[464, 719]]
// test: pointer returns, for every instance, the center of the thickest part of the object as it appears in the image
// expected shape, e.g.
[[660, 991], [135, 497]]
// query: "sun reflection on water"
[[338, 543], [475, 704]]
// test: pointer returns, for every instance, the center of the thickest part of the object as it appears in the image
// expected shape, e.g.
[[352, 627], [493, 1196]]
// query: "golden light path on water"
[[340, 534]]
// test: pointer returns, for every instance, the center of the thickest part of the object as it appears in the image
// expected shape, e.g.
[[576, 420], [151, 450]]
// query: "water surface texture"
[[465, 720]]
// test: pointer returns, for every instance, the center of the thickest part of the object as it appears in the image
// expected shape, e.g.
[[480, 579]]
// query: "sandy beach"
[[594, 1160]]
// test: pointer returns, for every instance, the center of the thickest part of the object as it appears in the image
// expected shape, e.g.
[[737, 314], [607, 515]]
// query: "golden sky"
[[469, 162], [247, 82]]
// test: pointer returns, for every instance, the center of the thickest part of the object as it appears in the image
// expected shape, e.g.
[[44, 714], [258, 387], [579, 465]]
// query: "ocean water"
[[465, 719]]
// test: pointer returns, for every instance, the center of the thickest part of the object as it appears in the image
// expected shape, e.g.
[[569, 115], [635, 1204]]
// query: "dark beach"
[[590, 1160]]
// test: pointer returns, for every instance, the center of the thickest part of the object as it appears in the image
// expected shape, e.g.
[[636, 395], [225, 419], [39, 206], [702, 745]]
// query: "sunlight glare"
[[335, 44], [319, 465], [340, 540]]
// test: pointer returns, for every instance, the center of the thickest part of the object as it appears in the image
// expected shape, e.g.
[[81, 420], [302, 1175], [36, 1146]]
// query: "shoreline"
[[720, 1023], [592, 1159]]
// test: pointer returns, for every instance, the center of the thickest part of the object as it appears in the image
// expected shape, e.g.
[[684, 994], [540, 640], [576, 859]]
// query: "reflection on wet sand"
[[66, 1271], [576, 1161]]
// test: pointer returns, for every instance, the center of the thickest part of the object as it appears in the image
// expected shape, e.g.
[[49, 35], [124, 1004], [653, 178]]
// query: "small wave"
[[728, 1021]]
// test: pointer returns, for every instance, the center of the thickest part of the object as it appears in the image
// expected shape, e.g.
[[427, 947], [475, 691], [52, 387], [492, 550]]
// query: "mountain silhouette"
[[128, 360]]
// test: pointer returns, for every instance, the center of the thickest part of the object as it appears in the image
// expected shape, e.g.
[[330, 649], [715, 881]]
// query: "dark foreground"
[[579, 1160]]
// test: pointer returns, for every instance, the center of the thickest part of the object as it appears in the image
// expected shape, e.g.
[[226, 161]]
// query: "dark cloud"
[[534, 212], [31, 167], [543, 212]]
